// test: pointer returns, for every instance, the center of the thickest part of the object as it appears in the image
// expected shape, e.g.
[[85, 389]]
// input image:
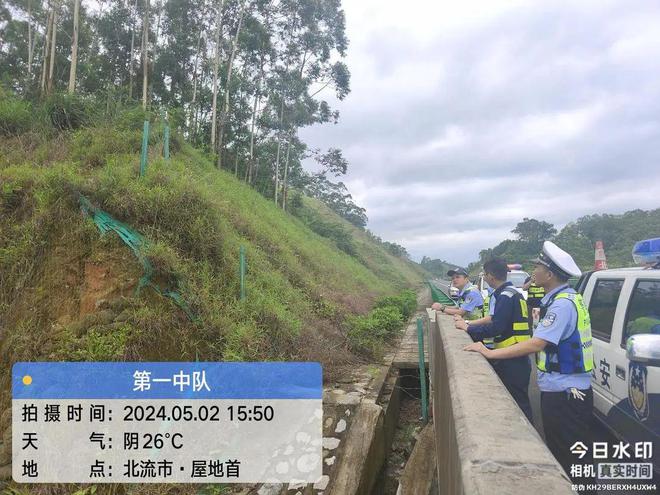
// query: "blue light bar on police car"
[[647, 251]]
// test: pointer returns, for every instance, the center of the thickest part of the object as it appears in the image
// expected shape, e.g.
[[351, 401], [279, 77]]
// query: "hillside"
[[619, 234], [68, 293], [436, 267]]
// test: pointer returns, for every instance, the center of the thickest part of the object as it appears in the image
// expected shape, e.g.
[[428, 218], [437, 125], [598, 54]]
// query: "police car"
[[624, 306], [516, 276]]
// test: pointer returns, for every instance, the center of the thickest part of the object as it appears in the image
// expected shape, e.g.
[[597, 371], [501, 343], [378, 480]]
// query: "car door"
[[638, 404], [604, 303]]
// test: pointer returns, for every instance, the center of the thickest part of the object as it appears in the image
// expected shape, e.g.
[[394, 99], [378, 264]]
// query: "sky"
[[466, 116]]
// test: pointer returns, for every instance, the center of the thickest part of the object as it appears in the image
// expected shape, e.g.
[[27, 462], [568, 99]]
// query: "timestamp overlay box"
[[166, 422]]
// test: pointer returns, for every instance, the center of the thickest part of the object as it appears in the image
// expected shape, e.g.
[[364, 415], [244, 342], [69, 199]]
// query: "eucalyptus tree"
[[115, 27], [23, 25], [243, 4], [74, 46], [53, 43], [145, 53], [311, 39], [216, 67]]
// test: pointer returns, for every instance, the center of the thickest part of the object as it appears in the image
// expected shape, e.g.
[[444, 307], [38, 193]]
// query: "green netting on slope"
[[106, 223], [438, 296]]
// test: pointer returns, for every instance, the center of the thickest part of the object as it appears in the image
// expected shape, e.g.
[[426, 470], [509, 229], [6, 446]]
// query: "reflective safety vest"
[[575, 353], [519, 331], [477, 312], [535, 292], [488, 341]]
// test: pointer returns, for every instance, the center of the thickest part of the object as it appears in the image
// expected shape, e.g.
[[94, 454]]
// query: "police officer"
[[471, 302], [564, 359], [508, 325], [534, 295], [488, 312]]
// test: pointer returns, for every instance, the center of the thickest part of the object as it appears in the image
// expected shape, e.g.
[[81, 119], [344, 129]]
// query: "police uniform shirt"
[[500, 321], [559, 322], [472, 299], [491, 304]]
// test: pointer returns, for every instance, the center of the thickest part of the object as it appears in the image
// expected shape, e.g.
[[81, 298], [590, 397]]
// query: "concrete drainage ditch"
[[403, 427]]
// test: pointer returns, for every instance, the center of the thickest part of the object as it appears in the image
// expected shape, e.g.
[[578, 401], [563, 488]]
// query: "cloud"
[[466, 116]]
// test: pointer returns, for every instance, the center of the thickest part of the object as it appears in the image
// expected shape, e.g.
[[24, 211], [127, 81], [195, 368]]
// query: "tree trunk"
[[74, 47], [107, 98], [216, 65], [191, 114], [255, 174], [255, 107], [130, 61], [248, 169], [53, 45], [30, 44], [279, 147], [145, 54], [286, 174], [44, 67], [230, 64]]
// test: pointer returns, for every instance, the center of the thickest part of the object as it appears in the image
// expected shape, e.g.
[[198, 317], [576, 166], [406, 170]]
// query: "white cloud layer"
[[466, 116]]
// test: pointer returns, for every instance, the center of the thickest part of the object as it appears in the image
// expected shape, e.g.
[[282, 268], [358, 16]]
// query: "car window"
[[602, 307], [643, 315]]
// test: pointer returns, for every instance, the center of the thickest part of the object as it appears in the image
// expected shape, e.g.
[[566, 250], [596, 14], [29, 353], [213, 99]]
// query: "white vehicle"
[[453, 291], [624, 306], [516, 276]]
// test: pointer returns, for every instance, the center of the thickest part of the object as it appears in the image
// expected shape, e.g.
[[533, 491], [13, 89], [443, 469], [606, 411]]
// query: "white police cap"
[[558, 260]]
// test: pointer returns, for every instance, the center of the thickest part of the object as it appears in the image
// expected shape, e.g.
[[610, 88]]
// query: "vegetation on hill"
[[237, 78], [235, 81], [67, 292], [437, 268], [619, 234]]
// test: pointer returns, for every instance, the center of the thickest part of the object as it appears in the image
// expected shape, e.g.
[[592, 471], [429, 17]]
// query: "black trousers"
[[566, 420], [514, 374]]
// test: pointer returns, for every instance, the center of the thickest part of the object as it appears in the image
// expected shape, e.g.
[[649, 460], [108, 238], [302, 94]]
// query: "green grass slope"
[[68, 293], [370, 253]]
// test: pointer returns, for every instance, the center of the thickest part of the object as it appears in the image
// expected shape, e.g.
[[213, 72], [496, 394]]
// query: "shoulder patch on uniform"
[[549, 319]]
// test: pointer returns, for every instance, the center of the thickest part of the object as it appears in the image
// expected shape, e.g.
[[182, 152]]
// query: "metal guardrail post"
[[422, 370]]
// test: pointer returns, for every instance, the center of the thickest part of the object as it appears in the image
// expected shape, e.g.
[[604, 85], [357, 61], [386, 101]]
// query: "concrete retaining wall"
[[483, 442]]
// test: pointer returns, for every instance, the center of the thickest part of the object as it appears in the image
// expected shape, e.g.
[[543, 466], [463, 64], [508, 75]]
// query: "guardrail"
[[439, 295], [483, 442]]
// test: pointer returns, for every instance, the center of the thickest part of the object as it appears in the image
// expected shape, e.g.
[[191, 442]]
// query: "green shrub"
[[336, 233], [364, 336], [406, 302], [388, 318], [367, 333], [93, 146], [68, 111], [131, 118], [296, 202], [176, 117], [15, 116]]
